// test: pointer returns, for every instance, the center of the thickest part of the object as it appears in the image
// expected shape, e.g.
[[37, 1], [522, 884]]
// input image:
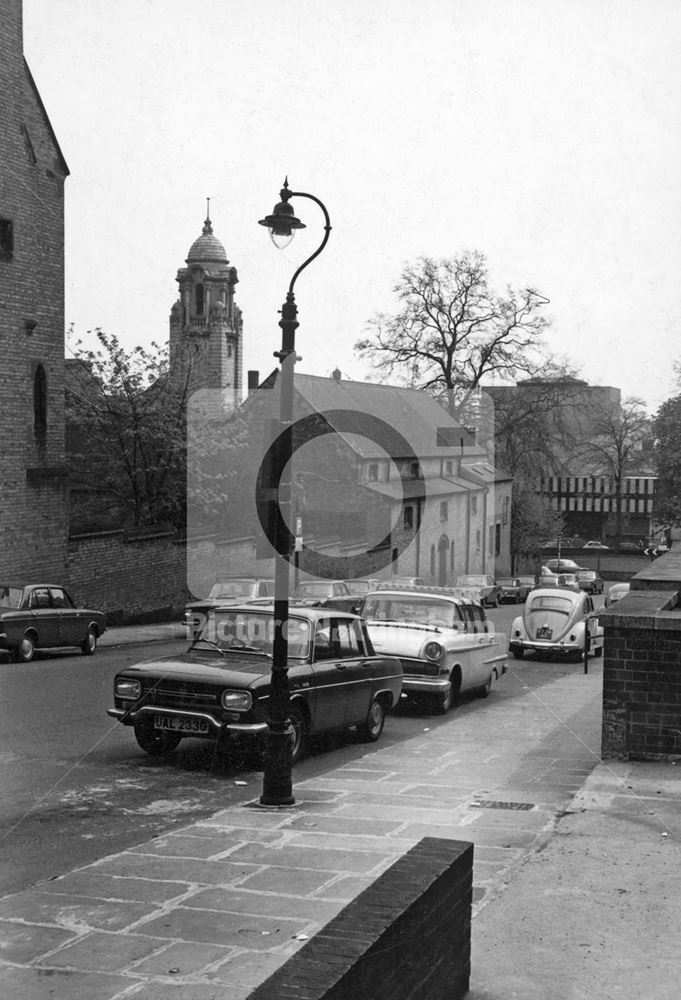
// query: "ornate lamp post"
[[277, 782]]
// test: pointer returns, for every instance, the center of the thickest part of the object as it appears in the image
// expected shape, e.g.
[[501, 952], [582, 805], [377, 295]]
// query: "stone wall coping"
[[665, 571], [643, 609]]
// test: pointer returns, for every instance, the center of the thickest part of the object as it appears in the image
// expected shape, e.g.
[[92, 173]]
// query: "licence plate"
[[178, 724], [544, 632]]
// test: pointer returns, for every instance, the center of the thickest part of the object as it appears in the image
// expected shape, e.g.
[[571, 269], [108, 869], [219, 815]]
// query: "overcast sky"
[[545, 134]]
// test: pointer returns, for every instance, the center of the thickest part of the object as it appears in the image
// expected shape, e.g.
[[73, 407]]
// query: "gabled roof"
[[412, 413], [48, 123]]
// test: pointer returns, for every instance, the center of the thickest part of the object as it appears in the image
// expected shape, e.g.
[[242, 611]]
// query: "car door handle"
[[340, 666]]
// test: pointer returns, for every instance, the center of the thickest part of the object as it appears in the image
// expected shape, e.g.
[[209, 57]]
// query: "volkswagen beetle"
[[553, 623]]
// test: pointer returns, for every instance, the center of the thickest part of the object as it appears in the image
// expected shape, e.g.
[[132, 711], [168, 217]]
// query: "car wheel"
[[443, 702], [598, 651], [89, 646], [26, 649], [298, 720], [518, 653], [486, 689], [155, 742], [372, 727]]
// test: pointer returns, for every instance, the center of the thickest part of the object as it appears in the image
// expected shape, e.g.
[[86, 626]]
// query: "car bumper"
[[547, 648], [426, 685], [216, 726]]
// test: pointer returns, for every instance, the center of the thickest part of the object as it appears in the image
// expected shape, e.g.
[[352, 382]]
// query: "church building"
[[33, 509]]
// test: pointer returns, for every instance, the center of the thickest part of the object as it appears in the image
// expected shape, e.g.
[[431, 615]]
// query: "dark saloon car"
[[590, 581], [219, 688], [44, 616], [514, 590]]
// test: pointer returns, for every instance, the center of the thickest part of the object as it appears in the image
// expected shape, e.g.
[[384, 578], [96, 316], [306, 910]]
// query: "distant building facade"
[[33, 506]]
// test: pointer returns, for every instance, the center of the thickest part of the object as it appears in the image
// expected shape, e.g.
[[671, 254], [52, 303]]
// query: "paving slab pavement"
[[210, 910]]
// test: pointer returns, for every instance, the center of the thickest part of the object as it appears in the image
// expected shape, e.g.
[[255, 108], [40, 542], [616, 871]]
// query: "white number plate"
[[177, 724]]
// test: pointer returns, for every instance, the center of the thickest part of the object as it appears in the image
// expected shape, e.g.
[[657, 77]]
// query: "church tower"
[[205, 323]]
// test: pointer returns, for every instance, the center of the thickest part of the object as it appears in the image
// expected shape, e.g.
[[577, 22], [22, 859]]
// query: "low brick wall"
[[406, 937], [642, 667]]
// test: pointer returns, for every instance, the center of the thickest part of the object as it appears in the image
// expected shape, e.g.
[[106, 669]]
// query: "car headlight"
[[126, 688], [433, 650], [236, 701]]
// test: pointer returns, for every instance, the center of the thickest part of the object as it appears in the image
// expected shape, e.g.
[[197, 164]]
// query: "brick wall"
[[406, 937], [642, 667], [131, 579]]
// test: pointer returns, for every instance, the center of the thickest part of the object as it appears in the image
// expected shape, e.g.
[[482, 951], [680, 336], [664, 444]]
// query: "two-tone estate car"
[[479, 587], [554, 623], [219, 689], [445, 642], [45, 616]]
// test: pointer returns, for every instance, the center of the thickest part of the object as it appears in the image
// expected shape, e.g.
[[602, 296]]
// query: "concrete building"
[[33, 511]]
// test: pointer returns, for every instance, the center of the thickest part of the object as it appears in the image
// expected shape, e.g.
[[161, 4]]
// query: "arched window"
[[199, 299], [40, 403]]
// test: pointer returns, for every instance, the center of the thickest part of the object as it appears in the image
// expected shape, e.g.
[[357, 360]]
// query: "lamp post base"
[[277, 786]]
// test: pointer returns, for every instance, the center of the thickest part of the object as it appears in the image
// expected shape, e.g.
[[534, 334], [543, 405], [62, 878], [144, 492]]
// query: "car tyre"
[[486, 689], [372, 727], [155, 742], [598, 651], [298, 720], [25, 651], [518, 653], [89, 644]]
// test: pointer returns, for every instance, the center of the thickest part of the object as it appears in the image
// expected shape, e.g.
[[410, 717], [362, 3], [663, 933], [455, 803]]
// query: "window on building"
[[415, 470], [373, 472], [497, 539], [199, 299], [477, 539], [40, 403], [395, 559], [432, 560], [451, 556], [444, 510], [474, 505], [449, 468], [507, 506], [6, 239], [409, 517]]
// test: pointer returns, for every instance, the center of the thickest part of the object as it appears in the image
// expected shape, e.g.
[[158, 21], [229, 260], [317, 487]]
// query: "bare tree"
[[617, 436], [452, 331], [667, 434]]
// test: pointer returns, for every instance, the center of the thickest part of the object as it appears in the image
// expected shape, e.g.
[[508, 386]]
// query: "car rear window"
[[10, 597], [552, 602], [425, 610]]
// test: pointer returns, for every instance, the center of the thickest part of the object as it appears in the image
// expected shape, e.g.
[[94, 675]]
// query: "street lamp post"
[[278, 764]]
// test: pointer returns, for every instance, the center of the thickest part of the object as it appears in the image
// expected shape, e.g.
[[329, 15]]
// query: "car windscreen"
[[231, 588], [10, 597], [472, 581], [254, 631], [551, 602], [316, 589], [424, 610]]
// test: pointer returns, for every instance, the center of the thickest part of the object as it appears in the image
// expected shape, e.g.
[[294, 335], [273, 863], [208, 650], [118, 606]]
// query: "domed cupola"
[[207, 249]]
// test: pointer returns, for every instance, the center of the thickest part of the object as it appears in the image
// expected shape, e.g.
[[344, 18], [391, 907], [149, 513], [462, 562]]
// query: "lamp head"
[[282, 223]]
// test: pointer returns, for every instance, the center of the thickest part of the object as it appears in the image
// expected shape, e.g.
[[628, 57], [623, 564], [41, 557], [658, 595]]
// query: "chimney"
[[336, 374], [253, 380]]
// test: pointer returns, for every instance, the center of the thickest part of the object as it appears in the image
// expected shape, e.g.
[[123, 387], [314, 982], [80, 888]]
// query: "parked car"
[[615, 593], [514, 590], [327, 594], [479, 587], [562, 566], [225, 590], [45, 616], [596, 545], [364, 585], [445, 642], [402, 581], [219, 688], [630, 547], [590, 581], [568, 580], [553, 623]]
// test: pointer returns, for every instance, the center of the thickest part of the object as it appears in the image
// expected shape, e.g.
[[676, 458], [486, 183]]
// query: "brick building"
[[33, 509]]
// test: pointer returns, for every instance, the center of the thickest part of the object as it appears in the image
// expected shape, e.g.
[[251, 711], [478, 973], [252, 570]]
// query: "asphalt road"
[[75, 787]]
